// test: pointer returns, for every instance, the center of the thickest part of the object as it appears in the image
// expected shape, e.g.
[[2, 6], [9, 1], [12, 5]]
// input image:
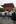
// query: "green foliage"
[[1, 10]]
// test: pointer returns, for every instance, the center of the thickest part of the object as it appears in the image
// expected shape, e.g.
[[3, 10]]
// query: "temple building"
[[8, 6]]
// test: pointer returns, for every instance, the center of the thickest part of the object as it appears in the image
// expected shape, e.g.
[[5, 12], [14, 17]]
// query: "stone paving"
[[5, 20]]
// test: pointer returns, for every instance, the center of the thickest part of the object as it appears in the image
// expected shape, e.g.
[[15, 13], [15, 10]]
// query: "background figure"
[[13, 15], [5, 14], [0, 14]]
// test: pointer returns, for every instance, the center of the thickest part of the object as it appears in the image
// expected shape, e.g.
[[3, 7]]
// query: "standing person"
[[13, 17], [9, 14]]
